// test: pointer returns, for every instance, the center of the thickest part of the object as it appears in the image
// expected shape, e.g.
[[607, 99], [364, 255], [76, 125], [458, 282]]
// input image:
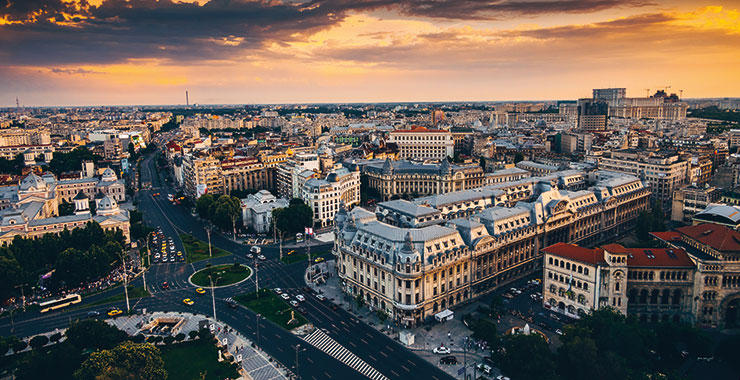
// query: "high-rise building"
[[610, 95], [592, 114]]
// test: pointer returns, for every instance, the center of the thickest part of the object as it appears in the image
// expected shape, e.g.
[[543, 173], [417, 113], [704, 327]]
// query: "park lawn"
[[271, 307], [197, 250], [296, 257], [188, 360], [227, 274]]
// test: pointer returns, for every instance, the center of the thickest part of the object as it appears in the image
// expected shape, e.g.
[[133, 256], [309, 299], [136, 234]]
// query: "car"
[[545, 326], [300, 297], [507, 295], [290, 252], [278, 291], [93, 314], [301, 310], [293, 303], [448, 360], [188, 302], [502, 377], [200, 291], [155, 259], [559, 331], [114, 312], [319, 259], [554, 316], [442, 350], [250, 256], [262, 257], [285, 296], [484, 369], [515, 291], [232, 304], [165, 285], [181, 258], [320, 297], [334, 306]]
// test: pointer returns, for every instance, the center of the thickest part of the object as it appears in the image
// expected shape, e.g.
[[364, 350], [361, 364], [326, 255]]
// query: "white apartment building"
[[419, 143], [201, 175], [324, 196]]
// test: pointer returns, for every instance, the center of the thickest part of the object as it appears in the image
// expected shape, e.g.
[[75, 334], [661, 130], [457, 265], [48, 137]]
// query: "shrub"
[[193, 334], [169, 339], [19, 345], [180, 337], [151, 339], [38, 341], [158, 339], [138, 338], [55, 337]]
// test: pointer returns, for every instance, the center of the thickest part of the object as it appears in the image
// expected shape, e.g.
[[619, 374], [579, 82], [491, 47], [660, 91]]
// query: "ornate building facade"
[[413, 269]]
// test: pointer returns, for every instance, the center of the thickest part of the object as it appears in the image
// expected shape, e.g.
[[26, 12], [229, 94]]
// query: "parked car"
[[319, 259], [448, 360], [300, 297], [294, 303], [93, 314], [507, 295], [165, 285], [484, 368], [285, 296], [232, 304], [200, 291], [250, 256], [502, 377], [441, 350]]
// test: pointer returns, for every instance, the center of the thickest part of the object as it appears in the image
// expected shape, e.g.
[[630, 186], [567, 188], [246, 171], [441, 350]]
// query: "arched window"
[[664, 296], [676, 297]]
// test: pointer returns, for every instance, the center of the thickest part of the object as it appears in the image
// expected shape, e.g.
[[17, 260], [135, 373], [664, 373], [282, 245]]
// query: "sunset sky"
[[121, 52]]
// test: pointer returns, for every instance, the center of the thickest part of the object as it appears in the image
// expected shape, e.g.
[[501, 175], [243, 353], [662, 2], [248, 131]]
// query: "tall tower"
[[187, 101]]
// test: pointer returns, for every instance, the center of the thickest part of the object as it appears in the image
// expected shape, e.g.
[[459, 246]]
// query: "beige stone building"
[[419, 143], [414, 272]]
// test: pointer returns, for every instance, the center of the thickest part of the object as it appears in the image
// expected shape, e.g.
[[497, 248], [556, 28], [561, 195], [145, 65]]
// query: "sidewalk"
[[256, 364]]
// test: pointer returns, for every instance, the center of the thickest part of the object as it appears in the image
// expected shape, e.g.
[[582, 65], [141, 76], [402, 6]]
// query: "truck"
[[255, 250]]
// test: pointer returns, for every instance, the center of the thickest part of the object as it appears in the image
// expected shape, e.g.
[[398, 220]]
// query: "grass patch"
[[227, 274], [189, 360], [271, 307], [133, 292], [296, 257], [197, 250]]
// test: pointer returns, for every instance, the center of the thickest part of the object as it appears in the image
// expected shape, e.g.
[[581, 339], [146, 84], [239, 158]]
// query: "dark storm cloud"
[[55, 32]]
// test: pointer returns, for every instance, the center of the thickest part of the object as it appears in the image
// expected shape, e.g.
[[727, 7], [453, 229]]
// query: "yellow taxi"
[[188, 301], [115, 312], [200, 291], [290, 252], [319, 259]]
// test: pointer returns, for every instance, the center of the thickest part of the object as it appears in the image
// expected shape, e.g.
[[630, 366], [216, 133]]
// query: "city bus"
[[65, 301]]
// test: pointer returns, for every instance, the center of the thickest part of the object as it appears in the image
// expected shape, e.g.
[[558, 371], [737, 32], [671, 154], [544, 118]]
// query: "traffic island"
[[222, 275], [197, 250], [273, 308]]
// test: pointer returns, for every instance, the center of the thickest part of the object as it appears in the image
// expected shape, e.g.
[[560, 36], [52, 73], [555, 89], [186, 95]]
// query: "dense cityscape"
[[475, 190]]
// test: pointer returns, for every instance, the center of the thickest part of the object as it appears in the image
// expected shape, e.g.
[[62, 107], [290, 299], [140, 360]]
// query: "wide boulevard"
[[376, 349]]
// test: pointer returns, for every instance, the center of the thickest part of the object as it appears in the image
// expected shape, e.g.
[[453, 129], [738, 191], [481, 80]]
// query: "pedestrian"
[[449, 335]]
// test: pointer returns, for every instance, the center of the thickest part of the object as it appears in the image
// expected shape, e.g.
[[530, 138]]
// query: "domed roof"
[[109, 175], [33, 182], [332, 177], [107, 203]]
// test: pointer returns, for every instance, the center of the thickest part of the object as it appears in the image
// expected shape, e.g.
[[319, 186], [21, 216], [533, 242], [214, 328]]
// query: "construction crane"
[[647, 92]]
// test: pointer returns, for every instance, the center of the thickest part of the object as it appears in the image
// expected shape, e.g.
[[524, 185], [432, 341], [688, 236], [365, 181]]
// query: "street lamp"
[[213, 294], [258, 329], [208, 232], [125, 280]]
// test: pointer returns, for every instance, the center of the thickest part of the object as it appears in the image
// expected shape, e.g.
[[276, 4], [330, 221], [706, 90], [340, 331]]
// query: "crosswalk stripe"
[[325, 343]]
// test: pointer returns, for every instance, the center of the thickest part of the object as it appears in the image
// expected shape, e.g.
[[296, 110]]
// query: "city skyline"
[[147, 52]]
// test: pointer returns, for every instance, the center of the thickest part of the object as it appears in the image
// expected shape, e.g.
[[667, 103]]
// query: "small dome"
[[33, 182], [333, 177], [107, 203], [109, 175]]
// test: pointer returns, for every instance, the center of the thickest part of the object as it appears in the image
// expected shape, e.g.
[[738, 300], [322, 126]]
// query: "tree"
[[294, 218], [643, 226], [65, 162], [485, 329], [518, 157], [658, 222], [526, 357], [203, 206], [94, 334], [18, 345], [225, 212], [38, 341], [66, 208], [127, 361], [71, 267], [360, 301]]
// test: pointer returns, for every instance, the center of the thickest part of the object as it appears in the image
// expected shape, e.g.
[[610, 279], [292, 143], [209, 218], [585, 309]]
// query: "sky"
[[130, 52]]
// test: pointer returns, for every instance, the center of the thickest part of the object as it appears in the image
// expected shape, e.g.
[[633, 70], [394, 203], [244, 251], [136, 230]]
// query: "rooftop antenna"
[[647, 92]]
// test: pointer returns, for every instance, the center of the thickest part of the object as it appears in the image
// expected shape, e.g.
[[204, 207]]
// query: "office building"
[[419, 143]]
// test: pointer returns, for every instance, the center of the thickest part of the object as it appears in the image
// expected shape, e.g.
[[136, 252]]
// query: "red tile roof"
[[615, 248], [573, 252], [667, 236], [659, 257], [716, 236]]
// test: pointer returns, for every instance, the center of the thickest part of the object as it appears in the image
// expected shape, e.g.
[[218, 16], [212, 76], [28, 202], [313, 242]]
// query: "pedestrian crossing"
[[325, 343]]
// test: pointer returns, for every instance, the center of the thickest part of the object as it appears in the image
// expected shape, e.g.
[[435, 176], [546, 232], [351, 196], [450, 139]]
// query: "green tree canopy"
[[129, 360], [65, 162], [94, 334], [294, 218], [526, 357]]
